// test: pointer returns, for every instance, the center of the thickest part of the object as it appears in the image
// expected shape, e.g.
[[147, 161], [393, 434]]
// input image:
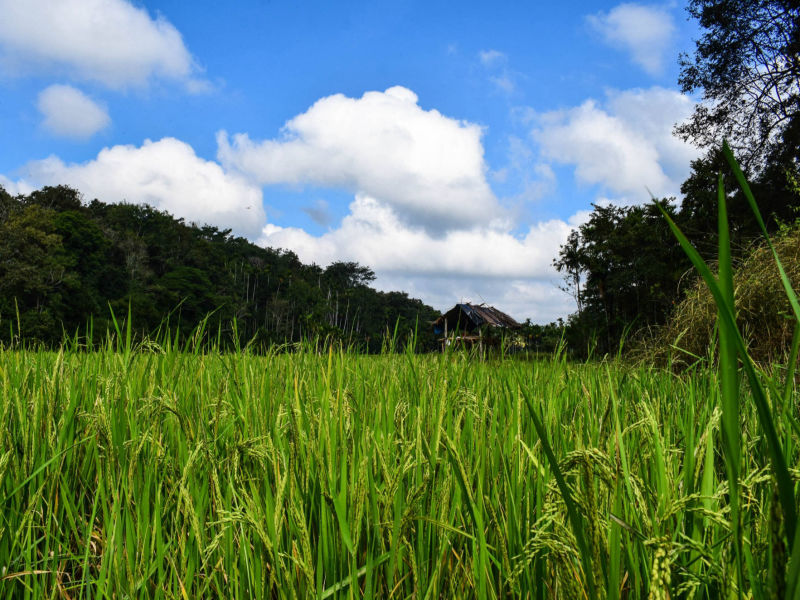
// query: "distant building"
[[470, 324]]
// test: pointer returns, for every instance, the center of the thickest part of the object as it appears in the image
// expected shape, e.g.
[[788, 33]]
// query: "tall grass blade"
[[763, 410], [729, 377], [576, 521], [475, 513]]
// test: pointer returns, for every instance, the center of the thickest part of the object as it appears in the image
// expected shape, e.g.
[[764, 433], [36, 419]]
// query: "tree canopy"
[[65, 265], [623, 264]]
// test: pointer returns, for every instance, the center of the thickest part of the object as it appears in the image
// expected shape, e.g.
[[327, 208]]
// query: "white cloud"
[[490, 58], [15, 187], [108, 41], [646, 32], [428, 167], [423, 217], [166, 174], [373, 234], [69, 112], [539, 300], [479, 262], [626, 146], [496, 64]]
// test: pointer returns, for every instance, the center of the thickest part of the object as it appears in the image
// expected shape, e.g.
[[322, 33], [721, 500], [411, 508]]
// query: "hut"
[[473, 324]]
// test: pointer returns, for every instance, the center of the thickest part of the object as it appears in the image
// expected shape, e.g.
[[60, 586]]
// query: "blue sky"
[[449, 146]]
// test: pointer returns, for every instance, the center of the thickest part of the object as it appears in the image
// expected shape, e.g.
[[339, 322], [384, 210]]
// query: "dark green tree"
[[775, 188], [628, 264], [746, 64], [36, 274], [747, 67]]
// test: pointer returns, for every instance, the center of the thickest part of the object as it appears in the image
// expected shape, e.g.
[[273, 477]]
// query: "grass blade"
[[729, 377], [777, 458], [578, 527]]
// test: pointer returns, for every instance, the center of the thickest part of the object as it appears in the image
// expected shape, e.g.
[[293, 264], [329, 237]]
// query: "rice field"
[[166, 473]]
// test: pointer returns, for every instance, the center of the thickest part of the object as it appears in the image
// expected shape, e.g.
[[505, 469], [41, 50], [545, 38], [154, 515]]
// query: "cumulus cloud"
[[68, 112], [428, 167], [111, 42], [15, 187], [373, 234], [423, 215], [625, 145], [472, 264], [166, 174], [646, 32]]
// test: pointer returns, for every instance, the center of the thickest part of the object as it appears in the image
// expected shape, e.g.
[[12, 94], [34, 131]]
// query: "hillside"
[[64, 262]]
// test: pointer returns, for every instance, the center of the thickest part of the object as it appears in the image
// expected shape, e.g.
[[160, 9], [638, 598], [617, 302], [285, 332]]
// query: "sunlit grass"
[[166, 473]]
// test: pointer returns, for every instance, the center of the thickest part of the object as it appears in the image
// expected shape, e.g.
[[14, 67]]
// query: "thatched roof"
[[468, 317]]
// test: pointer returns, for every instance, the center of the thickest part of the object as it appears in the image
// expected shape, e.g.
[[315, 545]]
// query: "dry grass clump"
[[763, 312]]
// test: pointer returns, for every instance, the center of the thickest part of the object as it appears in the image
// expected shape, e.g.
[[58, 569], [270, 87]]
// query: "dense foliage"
[[622, 265], [66, 265], [626, 270]]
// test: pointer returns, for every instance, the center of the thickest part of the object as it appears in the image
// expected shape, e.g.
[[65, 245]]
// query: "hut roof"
[[468, 317]]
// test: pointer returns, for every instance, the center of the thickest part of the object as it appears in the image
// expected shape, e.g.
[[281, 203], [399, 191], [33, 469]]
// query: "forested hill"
[[63, 263]]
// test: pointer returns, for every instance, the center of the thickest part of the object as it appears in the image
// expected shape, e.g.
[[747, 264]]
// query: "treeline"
[[66, 265], [623, 266]]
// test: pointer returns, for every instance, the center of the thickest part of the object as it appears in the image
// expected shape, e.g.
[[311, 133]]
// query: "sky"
[[451, 147]]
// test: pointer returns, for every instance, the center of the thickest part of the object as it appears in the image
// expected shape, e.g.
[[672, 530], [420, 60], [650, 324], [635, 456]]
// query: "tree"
[[569, 263], [36, 275], [345, 275], [7, 204], [747, 65], [628, 264], [775, 189], [60, 197]]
